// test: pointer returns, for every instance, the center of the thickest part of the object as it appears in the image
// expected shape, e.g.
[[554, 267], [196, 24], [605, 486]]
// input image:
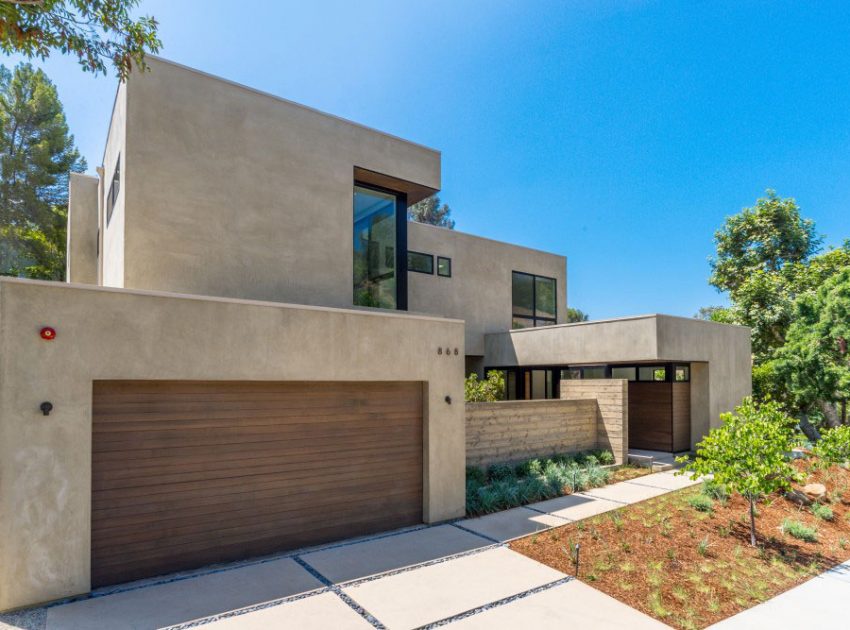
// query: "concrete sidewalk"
[[456, 574], [820, 602]]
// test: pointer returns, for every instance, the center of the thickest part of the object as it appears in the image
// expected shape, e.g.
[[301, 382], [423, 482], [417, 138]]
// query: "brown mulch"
[[625, 473], [648, 555]]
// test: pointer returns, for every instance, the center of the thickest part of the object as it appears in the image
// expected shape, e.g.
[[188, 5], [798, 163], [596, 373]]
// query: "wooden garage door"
[[190, 473]]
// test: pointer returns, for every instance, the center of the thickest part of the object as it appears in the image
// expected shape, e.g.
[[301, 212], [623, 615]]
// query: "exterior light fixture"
[[46, 407], [48, 334]]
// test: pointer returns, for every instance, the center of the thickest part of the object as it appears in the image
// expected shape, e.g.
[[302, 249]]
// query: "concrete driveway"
[[458, 574]]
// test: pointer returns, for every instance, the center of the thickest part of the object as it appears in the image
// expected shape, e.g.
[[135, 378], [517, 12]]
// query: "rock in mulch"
[[814, 491]]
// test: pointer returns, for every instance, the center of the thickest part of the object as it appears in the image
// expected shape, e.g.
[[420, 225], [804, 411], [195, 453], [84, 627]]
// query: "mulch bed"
[[689, 568]]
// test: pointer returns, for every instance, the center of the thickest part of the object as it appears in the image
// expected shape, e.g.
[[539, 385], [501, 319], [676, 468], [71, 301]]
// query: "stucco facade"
[[217, 244], [479, 290], [45, 461], [719, 355]]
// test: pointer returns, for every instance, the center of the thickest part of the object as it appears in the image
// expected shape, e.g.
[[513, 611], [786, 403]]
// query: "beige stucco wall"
[[612, 411], [233, 192], [479, 291], [45, 462], [721, 355], [81, 265], [512, 431]]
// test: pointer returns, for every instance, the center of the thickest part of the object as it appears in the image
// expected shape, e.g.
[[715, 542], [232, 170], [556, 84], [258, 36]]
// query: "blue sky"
[[619, 134]]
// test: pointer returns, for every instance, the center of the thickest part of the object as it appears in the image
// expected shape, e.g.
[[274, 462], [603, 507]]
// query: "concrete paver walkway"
[[819, 603], [456, 574]]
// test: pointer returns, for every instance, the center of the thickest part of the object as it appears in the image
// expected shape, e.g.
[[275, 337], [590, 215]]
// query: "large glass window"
[[376, 252], [628, 373], [534, 300]]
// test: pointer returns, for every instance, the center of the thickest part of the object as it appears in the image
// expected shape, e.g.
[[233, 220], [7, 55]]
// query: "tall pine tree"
[[37, 153]]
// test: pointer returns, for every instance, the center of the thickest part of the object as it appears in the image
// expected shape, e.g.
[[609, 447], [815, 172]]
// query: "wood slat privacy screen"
[[188, 473]]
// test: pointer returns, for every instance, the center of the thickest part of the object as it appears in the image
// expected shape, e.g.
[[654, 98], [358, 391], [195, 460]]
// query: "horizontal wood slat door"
[[188, 473], [650, 416]]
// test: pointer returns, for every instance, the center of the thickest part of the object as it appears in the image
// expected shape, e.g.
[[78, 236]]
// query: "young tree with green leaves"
[[748, 453], [431, 212], [97, 32], [37, 153]]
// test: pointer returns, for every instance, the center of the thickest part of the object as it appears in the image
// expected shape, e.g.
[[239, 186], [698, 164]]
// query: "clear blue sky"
[[619, 134]]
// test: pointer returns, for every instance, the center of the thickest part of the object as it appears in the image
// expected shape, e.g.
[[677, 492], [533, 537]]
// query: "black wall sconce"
[[448, 400], [46, 407]]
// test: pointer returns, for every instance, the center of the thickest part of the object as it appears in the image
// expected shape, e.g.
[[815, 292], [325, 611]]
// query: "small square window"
[[683, 373], [421, 263], [444, 266]]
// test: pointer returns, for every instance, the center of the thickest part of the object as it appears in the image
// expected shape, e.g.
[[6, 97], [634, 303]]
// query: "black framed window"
[[419, 262], [652, 373], [380, 247], [444, 266], [114, 187], [534, 300]]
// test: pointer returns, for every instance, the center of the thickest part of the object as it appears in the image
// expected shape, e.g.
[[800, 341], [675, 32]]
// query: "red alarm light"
[[48, 333]]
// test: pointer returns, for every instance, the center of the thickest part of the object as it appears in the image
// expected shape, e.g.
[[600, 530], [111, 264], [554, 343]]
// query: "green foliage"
[[834, 445], [529, 468], [431, 212], [504, 486], [701, 503], [606, 458], [747, 453], [477, 474], [763, 238], [491, 389], [97, 33], [576, 315], [799, 530], [36, 155], [812, 368], [715, 490], [823, 512], [499, 472]]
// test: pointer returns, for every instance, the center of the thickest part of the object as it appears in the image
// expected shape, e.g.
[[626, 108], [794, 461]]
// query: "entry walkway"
[[457, 574]]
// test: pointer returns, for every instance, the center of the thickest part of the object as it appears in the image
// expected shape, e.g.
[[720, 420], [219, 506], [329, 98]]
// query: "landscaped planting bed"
[[504, 486], [685, 557]]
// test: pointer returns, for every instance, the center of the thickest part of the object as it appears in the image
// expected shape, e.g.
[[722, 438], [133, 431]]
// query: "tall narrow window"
[[534, 300], [380, 249], [114, 187]]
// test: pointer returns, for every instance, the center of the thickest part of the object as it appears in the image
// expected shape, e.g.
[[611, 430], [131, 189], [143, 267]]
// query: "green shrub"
[[701, 503], [529, 468], [606, 458], [498, 472], [823, 512], [563, 459], [474, 473], [834, 445], [488, 500], [490, 389], [588, 459], [596, 476], [715, 490], [799, 530]]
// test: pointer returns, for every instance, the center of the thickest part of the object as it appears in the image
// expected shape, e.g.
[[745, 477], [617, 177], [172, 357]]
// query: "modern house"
[[256, 351]]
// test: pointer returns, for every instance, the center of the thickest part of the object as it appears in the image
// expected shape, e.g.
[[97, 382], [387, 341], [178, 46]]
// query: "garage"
[[188, 473]]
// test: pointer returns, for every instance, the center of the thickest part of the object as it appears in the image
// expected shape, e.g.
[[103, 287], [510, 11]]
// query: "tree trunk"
[[808, 428], [830, 413], [752, 520]]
